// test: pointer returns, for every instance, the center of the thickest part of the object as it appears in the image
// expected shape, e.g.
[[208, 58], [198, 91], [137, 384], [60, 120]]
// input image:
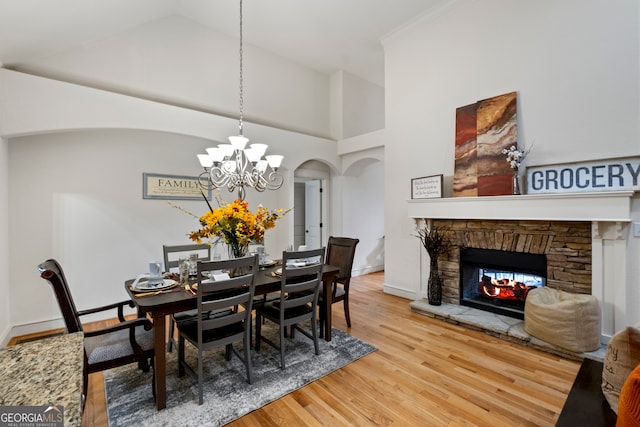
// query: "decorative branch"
[[434, 240], [205, 199]]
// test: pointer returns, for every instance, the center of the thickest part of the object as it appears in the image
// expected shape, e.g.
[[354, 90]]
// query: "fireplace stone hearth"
[[500, 326]]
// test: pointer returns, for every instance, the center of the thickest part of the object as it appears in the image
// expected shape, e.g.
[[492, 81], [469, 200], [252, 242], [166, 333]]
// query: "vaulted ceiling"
[[325, 35]]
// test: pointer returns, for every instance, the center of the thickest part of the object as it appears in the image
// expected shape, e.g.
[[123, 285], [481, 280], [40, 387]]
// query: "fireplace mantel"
[[610, 214], [606, 207]]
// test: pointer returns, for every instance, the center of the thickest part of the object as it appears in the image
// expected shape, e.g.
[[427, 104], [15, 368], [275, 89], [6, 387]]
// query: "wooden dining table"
[[179, 299]]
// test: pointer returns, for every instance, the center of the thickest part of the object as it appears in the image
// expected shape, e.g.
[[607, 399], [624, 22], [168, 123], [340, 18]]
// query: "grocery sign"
[[600, 175]]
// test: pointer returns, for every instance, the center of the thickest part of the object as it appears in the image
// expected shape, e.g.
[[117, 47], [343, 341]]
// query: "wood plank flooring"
[[425, 372]]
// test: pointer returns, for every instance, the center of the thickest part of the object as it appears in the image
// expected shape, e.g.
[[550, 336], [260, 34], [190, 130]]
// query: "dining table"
[[176, 299]]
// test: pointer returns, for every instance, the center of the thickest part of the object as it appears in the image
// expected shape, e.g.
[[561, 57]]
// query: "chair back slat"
[[299, 286], [221, 302], [171, 260], [51, 271], [340, 253], [224, 320], [235, 293], [298, 303]]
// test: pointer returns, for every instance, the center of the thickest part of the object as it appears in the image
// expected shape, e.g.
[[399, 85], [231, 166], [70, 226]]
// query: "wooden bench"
[[586, 404]]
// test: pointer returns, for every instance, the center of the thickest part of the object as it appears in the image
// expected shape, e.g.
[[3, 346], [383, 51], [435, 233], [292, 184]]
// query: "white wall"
[[83, 125], [5, 307], [363, 213], [363, 106], [76, 186], [357, 106], [179, 61], [574, 64], [80, 198]]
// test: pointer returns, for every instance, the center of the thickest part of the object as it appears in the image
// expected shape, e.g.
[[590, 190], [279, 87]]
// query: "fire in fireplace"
[[499, 281]]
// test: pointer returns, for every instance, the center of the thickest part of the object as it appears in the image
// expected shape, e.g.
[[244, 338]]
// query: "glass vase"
[[238, 251], [515, 186]]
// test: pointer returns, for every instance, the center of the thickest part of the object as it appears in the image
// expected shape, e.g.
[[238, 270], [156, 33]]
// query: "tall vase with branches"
[[436, 243]]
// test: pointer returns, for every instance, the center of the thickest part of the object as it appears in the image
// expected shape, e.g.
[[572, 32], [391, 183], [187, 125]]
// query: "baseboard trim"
[[366, 270], [6, 336], [32, 328], [403, 293]]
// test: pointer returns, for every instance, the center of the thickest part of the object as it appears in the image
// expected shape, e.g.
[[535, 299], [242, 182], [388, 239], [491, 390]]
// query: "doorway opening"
[[309, 213], [310, 219]]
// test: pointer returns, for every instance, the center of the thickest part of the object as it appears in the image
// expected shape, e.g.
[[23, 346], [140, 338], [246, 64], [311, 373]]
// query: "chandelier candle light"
[[236, 166]]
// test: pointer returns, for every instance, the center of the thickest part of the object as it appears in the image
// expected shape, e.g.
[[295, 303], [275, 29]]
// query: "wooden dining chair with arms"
[[340, 253], [126, 342], [298, 302], [229, 300], [172, 255]]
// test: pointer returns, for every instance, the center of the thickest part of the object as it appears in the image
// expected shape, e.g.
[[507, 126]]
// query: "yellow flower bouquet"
[[236, 225]]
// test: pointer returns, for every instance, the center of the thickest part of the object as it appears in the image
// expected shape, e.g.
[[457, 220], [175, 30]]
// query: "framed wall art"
[[172, 187], [426, 187]]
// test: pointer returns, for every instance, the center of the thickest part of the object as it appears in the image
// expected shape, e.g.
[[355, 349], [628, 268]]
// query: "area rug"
[[227, 395]]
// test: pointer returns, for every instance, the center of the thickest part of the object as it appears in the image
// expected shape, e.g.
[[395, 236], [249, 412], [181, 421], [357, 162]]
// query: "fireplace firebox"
[[499, 281]]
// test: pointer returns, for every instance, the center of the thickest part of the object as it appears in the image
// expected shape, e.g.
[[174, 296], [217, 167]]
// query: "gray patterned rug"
[[227, 395]]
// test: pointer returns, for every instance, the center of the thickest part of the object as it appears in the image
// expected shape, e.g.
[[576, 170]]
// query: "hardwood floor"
[[425, 372]]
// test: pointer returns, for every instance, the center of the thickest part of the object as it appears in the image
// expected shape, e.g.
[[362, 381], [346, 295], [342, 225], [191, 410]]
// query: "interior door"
[[299, 234], [313, 214]]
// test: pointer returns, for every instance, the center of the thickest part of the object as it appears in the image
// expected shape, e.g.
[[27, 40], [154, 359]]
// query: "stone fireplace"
[[583, 237], [499, 281], [564, 247]]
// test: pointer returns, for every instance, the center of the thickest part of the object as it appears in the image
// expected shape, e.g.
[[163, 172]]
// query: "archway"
[[311, 200], [363, 212]]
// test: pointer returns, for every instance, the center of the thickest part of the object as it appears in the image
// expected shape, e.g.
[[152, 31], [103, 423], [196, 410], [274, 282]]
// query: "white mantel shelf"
[[606, 206]]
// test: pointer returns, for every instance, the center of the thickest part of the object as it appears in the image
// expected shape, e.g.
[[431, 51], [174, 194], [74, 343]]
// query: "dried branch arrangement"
[[434, 240]]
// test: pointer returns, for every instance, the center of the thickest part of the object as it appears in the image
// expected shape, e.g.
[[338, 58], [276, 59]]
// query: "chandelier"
[[237, 166]]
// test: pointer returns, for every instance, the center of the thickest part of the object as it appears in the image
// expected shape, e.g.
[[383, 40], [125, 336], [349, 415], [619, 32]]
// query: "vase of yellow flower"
[[236, 225]]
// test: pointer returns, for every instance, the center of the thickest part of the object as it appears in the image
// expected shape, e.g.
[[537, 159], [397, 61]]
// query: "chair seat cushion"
[[191, 316], [185, 315], [115, 345], [190, 331], [272, 309]]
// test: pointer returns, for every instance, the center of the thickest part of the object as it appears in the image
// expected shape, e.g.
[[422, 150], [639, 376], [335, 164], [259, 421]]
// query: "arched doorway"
[[363, 213], [311, 222]]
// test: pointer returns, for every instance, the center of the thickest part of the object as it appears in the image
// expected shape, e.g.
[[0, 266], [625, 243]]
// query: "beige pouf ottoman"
[[570, 321]]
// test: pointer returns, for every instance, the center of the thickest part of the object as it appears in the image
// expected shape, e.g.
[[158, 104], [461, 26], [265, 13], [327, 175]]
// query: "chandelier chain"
[[234, 166], [241, 75]]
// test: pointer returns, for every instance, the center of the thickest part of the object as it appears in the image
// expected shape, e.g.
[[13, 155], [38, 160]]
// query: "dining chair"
[[340, 253], [299, 287], [229, 301], [172, 255], [121, 344]]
